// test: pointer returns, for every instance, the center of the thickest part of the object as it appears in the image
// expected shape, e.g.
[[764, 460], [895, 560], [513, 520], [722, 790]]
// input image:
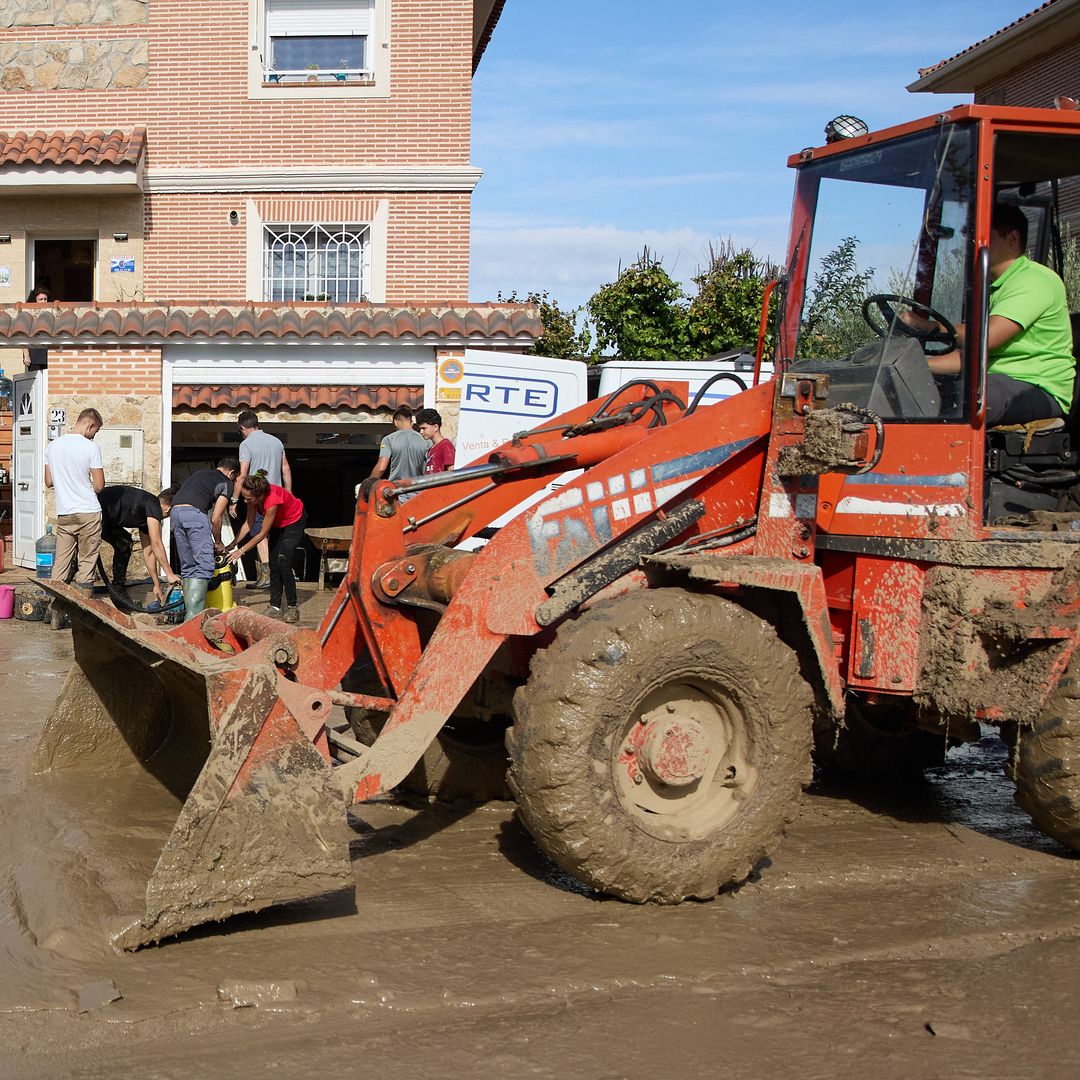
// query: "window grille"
[[315, 262]]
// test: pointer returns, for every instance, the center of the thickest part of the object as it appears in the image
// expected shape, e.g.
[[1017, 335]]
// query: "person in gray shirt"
[[402, 453], [260, 452]]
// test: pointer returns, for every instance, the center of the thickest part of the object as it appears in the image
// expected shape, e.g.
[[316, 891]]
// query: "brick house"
[[251, 203], [1031, 62]]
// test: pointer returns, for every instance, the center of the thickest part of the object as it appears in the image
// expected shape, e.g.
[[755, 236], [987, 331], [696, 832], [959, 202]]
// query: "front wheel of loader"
[[661, 745], [1046, 764]]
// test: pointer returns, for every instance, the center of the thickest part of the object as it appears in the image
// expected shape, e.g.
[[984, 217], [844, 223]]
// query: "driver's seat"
[[1030, 465]]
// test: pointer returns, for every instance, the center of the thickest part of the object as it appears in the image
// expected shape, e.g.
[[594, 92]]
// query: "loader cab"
[[889, 252]]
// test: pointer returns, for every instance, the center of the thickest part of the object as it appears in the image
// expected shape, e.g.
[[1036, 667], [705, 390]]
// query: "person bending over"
[[199, 507], [283, 521], [124, 508]]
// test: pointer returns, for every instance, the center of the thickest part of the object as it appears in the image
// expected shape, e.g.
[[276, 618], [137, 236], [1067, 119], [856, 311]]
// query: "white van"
[[735, 372]]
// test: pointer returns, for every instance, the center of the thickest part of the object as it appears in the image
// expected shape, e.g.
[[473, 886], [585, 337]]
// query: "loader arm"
[[714, 457]]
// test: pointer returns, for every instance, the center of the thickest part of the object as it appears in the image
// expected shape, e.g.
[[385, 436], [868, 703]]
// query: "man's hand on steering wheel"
[[885, 312]]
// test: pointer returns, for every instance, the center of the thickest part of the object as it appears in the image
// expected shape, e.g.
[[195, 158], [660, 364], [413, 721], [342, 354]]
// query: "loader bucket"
[[217, 715]]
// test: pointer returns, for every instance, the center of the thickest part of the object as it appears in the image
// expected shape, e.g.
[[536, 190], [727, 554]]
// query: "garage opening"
[[328, 460]]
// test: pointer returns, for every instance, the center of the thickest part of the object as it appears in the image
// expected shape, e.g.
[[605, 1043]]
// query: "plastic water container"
[[7, 601], [45, 554]]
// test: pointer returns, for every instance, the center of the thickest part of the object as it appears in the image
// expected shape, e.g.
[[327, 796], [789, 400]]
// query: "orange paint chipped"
[[369, 787]]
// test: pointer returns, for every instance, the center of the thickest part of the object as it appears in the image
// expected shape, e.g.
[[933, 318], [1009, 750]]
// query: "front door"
[[28, 454]]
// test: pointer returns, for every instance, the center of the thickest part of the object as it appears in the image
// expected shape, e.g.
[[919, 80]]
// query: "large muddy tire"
[[661, 745], [1046, 765], [880, 742]]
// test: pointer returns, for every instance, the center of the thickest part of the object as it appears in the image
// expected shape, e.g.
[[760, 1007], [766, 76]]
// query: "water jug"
[[45, 553]]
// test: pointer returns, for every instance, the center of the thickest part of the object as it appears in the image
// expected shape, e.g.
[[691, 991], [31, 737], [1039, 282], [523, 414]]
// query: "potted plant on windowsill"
[[313, 78]]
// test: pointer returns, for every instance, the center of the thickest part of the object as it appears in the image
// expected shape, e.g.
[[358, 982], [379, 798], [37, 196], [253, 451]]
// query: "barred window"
[[315, 262]]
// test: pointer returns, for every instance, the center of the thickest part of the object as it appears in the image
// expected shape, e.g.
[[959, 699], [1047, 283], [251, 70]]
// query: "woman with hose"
[[283, 522]]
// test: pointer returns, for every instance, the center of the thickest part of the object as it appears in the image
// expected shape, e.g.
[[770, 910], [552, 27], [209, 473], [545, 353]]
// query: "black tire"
[[1047, 764], [881, 742], [626, 671]]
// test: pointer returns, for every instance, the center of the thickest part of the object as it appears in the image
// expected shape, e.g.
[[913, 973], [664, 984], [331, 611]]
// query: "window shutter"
[[314, 18]]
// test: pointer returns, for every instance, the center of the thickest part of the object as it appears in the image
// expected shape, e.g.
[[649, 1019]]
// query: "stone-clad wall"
[[72, 12], [74, 65]]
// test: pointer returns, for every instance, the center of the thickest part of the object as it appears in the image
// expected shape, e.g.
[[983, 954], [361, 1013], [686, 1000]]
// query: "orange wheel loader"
[[841, 558]]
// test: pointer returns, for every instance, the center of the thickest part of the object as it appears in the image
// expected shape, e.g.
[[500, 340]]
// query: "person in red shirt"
[[283, 522], [440, 458]]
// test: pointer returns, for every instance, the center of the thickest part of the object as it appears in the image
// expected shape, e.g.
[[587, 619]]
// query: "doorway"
[[65, 267]]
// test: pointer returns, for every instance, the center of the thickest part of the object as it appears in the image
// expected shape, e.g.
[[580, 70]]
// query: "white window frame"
[[372, 81], [316, 238]]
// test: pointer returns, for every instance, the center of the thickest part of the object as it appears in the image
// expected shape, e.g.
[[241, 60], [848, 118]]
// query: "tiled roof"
[[296, 397], [130, 324], [979, 44], [72, 148], [485, 34]]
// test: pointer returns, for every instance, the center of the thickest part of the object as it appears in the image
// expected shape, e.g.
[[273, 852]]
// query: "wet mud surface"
[[927, 932]]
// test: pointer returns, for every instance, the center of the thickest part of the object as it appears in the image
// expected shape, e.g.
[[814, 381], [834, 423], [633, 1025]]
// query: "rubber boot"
[[194, 596], [121, 559], [262, 578]]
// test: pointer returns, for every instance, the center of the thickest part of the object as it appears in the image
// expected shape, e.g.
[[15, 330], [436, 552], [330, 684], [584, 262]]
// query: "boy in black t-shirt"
[[124, 508]]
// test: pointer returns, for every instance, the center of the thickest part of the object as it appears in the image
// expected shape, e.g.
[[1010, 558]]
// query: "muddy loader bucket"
[[217, 715]]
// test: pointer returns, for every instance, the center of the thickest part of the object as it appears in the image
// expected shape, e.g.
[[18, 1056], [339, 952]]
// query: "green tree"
[[641, 315], [833, 325], [725, 313], [1070, 268], [566, 333]]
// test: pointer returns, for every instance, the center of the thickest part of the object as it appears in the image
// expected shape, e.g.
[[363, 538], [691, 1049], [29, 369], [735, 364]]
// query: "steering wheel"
[[884, 306]]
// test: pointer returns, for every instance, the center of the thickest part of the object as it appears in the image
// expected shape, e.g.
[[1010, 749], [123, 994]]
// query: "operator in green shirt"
[[1029, 335]]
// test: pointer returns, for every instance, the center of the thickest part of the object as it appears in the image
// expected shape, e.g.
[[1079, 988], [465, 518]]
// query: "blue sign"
[[512, 395], [121, 266]]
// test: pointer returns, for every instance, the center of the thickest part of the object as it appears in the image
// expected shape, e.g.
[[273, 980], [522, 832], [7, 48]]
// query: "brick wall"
[[1036, 84], [199, 114], [86, 372], [196, 106]]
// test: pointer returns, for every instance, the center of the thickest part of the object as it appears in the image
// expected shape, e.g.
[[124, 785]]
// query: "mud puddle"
[[465, 953]]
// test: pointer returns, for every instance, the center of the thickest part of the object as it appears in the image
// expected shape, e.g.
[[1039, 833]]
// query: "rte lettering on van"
[[509, 395]]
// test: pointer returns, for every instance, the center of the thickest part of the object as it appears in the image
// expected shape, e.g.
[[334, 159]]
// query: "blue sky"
[[603, 126]]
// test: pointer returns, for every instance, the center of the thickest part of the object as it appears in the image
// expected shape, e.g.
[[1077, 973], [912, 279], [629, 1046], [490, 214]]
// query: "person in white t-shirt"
[[74, 471]]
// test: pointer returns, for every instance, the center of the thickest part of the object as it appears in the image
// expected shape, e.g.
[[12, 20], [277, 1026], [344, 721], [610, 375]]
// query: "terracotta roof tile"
[[373, 398], [923, 72], [105, 324], [72, 148]]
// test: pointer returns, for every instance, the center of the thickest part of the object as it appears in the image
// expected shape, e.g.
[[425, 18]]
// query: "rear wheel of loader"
[[661, 745], [1046, 764]]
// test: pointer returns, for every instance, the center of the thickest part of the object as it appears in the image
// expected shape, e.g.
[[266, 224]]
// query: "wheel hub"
[[675, 751]]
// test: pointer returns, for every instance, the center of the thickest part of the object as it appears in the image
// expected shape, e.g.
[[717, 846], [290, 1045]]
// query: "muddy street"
[[929, 933]]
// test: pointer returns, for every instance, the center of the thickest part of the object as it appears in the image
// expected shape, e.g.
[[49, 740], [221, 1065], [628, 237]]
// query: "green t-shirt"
[[1033, 297]]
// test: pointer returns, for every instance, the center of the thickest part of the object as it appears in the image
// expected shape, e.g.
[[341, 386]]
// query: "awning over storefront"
[[374, 398]]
